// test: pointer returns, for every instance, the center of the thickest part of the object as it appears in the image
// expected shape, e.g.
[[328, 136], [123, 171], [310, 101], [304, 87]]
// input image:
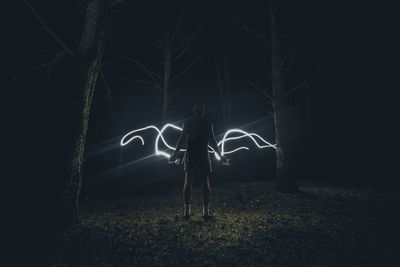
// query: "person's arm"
[[213, 141], [179, 145]]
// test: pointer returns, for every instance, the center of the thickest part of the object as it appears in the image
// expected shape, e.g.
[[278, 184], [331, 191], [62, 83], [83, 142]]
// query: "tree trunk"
[[285, 175], [167, 77], [91, 48], [221, 93], [227, 90], [224, 90]]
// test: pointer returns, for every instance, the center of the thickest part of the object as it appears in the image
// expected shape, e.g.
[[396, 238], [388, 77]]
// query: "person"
[[198, 133]]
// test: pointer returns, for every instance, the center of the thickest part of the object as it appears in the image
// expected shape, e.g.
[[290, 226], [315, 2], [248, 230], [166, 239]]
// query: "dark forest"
[[301, 99]]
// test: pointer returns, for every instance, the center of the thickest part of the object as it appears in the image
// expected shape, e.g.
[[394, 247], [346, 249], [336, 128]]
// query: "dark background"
[[349, 120]]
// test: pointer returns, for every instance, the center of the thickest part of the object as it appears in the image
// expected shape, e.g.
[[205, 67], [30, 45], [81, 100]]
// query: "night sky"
[[350, 118]]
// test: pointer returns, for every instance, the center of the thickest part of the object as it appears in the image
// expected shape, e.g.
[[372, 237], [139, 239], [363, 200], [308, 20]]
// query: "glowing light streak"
[[244, 134], [127, 138]]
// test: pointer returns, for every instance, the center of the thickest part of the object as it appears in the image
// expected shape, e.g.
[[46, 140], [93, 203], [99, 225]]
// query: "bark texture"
[[224, 89], [82, 87], [286, 180], [166, 81]]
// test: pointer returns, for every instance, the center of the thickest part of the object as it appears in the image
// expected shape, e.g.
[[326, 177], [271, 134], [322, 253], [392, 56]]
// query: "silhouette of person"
[[198, 134]]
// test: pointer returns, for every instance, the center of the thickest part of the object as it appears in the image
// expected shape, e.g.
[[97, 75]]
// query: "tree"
[[171, 52], [74, 100], [286, 174], [87, 67], [286, 179], [224, 87]]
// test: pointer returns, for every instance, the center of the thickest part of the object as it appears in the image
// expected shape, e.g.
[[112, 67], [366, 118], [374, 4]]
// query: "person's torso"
[[198, 129]]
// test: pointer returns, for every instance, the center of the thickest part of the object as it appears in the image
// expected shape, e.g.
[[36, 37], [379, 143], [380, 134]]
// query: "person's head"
[[199, 110]]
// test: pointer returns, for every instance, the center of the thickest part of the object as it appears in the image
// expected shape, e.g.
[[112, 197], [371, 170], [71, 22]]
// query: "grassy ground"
[[253, 226]]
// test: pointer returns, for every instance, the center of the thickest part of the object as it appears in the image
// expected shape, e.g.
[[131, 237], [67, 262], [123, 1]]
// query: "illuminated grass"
[[253, 226]]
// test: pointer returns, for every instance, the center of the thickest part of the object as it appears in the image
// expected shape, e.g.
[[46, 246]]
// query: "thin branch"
[[49, 64], [305, 81], [54, 61], [142, 81], [187, 68], [272, 14], [198, 30], [219, 79], [289, 64], [261, 91], [116, 2], [172, 95], [285, 58], [245, 27], [157, 75], [181, 53], [178, 24], [105, 83], [49, 30], [146, 70], [191, 39]]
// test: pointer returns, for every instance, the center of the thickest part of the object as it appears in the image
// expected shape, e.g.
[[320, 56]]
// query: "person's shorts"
[[198, 166]]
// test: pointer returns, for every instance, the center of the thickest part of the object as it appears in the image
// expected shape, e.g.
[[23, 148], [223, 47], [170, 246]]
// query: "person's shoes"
[[207, 216], [206, 213], [186, 212]]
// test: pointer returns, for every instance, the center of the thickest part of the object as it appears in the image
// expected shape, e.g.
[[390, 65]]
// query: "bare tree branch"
[[142, 81], [178, 24], [48, 29], [305, 81], [51, 63], [289, 64], [172, 95], [181, 53], [198, 30], [245, 27], [54, 62], [187, 68], [190, 40], [159, 76], [272, 13], [105, 83], [149, 73], [261, 91], [288, 53], [115, 3]]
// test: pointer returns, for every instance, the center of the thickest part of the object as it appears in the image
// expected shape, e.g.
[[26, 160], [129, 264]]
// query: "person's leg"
[[187, 190], [205, 188]]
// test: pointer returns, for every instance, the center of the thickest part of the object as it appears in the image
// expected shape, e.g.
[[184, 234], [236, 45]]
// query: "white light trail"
[[129, 137]]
